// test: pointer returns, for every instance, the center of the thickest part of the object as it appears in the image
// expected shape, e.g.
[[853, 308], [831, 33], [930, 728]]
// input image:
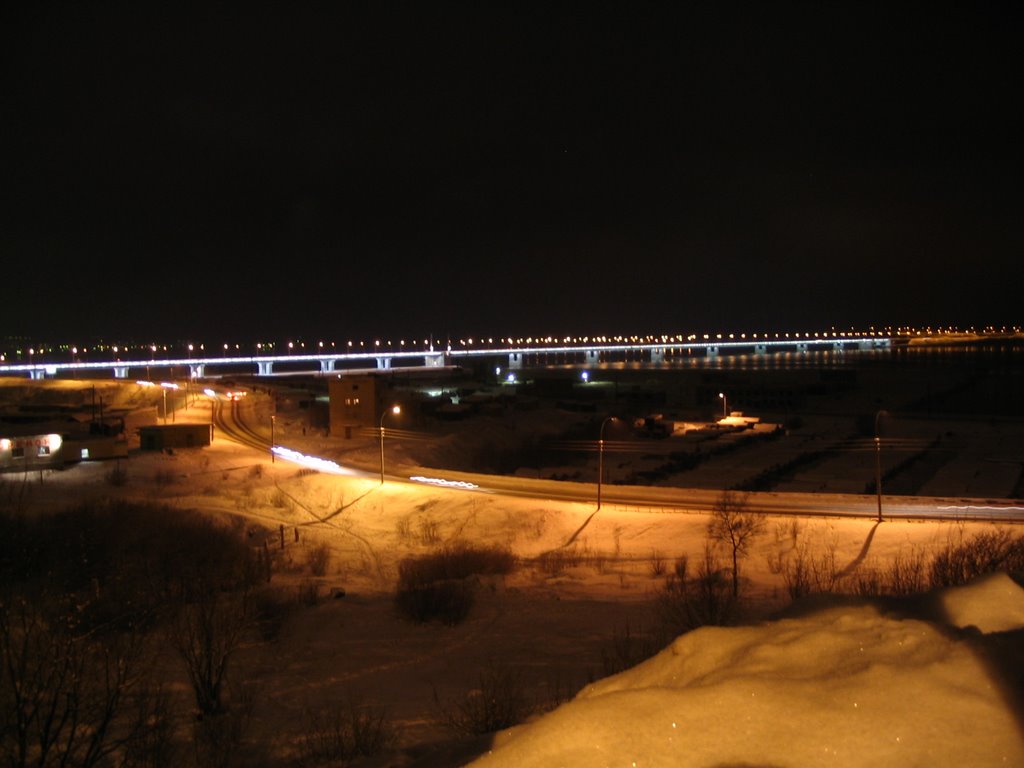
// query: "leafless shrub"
[[657, 563], [216, 738], [805, 573], [907, 574], [403, 527], [342, 733], [281, 500], [206, 634], [556, 561], [117, 477], [687, 602], [627, 649], [308, 593], [152, 742], [904, 574], [163, 477], [437, 585], [255, 471], [680, 566], [429, 531], [960, 562], [499, 702], [271, 610], [537, 526], [318, 558]]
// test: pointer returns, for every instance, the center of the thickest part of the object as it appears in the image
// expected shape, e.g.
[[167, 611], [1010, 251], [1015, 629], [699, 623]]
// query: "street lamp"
[[165, 385], [395, 409], [725, 404], [878, 464], [600, 457], [273, 418]]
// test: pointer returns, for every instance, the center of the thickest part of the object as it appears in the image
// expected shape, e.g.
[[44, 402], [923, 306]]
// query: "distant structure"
[[157, 437], [356, 402], [30, 452]]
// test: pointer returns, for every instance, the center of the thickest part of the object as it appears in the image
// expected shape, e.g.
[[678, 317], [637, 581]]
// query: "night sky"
[[358, 170]]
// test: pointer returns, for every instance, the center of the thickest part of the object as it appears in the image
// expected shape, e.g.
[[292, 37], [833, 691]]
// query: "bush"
[[270, 611], [687, 602], [117, 477], [805, 573], [657, 564], [906, 574], [447, 601], [163, 477], [319, 558], [499, 702], [436, 585], [557, 560], [987, 552], [343, 733], [627, 649]]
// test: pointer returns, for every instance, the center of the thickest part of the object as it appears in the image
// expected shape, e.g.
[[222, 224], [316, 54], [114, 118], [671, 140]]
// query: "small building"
[[157, 437], [23, 453], [356, 402]]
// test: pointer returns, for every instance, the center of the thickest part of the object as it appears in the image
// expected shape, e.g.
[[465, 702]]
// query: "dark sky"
[[349, 170]]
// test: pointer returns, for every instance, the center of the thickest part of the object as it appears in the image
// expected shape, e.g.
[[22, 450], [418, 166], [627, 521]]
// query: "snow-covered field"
[[931, 681]]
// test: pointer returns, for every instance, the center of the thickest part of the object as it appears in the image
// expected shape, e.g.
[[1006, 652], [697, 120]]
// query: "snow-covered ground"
[[933, 681], [845, 685]]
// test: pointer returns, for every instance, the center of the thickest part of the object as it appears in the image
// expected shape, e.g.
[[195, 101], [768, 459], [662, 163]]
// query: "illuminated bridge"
[[518, 354]]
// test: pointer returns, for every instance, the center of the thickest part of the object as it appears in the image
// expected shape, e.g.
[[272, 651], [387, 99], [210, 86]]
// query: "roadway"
[[228, 418]]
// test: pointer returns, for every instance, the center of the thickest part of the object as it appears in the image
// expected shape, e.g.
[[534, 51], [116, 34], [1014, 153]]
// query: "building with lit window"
[[26, 453], [356, 403]]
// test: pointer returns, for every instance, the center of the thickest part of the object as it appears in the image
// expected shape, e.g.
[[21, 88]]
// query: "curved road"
[[229, 420]]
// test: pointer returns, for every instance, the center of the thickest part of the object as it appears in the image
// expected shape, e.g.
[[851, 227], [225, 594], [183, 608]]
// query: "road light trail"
[[667, 499]]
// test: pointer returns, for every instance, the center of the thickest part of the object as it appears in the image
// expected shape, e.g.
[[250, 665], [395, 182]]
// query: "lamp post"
[[878, 465], [273, 418], [165, 385], [395, 409], [600, 457], [725, 404]]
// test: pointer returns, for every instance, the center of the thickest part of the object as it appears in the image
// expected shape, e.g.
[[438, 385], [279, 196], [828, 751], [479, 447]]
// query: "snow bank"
[[844, 686]]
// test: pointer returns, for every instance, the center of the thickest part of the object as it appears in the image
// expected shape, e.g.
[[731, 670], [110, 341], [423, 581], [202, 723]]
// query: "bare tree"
[[734, 525], [61, 693], [206, 634]]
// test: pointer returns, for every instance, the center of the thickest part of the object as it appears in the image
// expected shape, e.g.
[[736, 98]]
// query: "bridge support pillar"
[[434, 361], [801, 346], [712, 351], [838, 347], [658, 355], [120, 371], [37, 374], [197, 371], [384, 363], [327, 366], [760, 349], [264, 368], [515, 360], [592, 357]]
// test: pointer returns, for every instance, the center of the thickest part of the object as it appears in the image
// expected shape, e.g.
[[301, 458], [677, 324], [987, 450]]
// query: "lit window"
[[44, 450], [85, 453]]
